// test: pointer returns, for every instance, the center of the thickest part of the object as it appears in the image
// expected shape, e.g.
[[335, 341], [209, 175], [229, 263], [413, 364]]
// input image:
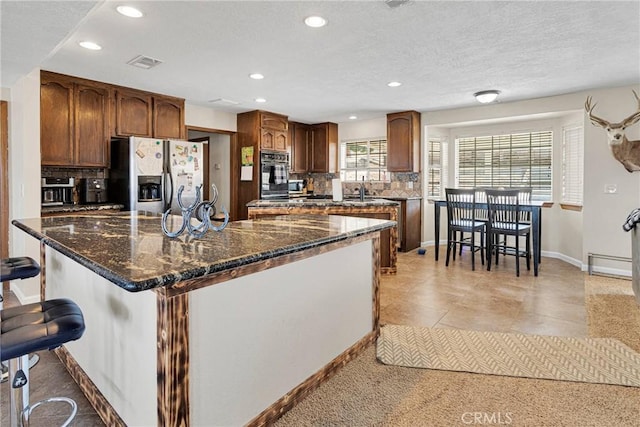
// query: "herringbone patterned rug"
[[591, 360]]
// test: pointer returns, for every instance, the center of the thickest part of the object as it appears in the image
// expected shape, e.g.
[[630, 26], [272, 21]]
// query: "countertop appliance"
[[296, 187], [146, 173], [57, 191], [93, 190], [274, 175]]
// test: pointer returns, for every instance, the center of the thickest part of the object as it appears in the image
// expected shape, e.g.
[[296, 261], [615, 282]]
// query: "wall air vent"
[[396, 3], [145, 62]]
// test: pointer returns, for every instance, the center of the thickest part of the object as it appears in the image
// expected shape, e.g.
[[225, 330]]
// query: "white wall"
[[209, 118], [568, 234], [219, 165], [24, 174]]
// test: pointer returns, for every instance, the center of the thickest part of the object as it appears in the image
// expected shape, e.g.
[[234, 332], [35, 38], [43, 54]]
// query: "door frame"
[[4, 184]]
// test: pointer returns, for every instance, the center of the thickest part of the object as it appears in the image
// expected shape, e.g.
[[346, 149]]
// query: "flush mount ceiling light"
[[260, 100], [129, 11], [315, 21], [256, 76], [90, 45], [486, 96], [353, 117], [394, 84]]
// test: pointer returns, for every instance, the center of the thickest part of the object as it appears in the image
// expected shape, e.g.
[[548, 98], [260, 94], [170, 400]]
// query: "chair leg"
[[528, 251], [482, 244], [489, 249], [517, 255], [19, 377], [449, 243], [473, 251]]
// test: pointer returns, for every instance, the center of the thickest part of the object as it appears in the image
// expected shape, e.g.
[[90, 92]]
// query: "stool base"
[[4, 366]]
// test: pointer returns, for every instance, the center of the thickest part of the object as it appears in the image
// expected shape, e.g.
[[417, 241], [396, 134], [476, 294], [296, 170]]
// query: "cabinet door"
[[297, 143], [91, 140], [133, 113], [168, 118], [274, 121], [403, 142], [280, 141], [56, 123], [324, 148], [267, 139]]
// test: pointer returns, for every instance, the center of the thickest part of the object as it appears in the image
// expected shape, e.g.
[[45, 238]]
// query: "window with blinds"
[[436, 167], [572, 165], [364, 159], [511, 160]]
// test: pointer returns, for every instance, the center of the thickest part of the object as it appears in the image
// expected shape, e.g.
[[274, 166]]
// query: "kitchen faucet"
[[362, 190]]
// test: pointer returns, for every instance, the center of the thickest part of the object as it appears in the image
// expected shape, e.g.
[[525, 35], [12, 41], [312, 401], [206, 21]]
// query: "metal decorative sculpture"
[[625, 151], [203, 213]]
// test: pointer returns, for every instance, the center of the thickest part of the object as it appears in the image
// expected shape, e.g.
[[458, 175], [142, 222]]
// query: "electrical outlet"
[[610, 188], [410, 185]]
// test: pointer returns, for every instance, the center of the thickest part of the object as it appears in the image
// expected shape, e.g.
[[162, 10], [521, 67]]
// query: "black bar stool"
[[12, 269], [33, 327]]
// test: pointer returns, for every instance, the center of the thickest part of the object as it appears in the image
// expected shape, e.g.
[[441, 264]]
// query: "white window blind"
[[572, 165], [363, 159], [437, 162], [510, 160]]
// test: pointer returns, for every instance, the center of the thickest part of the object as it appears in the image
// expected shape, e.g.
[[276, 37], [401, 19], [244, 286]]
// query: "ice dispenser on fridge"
[[149, 188]]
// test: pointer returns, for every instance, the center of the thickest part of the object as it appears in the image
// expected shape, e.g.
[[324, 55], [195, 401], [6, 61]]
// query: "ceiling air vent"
[[223, 101], [396, 3], [145, 62]]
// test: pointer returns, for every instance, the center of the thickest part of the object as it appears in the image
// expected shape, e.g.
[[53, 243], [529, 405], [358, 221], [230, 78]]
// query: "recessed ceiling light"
[[256, 76], [129, 11], [353, 117], [486, 96], [260, 100], [90, 45], [315, 21], [394, 84]]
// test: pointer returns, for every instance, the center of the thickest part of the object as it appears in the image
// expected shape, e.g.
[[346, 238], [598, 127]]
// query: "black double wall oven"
[[274, 175]]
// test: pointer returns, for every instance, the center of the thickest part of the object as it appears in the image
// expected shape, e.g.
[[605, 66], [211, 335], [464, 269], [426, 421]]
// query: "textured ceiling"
[[442, 51]]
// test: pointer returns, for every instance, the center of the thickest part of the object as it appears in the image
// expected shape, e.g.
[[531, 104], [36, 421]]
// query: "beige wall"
[[209, 118]]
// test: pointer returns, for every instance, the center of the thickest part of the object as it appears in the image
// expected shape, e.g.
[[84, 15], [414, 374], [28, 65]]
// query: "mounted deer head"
[[625, 151]]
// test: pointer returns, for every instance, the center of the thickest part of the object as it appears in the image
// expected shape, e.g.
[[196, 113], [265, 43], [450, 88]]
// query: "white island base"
[[228, 349]]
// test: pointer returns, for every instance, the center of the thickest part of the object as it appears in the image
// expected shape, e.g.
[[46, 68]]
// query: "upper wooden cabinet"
[[74, 117], [141, 113], [168, 117], [323, 149], [133, 113], [403, 142], [299, 134], [273, 131]]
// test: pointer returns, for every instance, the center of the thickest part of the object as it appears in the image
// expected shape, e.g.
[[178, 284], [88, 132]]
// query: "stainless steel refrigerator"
[[146, 173]]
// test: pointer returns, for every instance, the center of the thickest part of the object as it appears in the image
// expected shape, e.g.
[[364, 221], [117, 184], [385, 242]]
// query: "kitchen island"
[[231, 329], [367, 208]]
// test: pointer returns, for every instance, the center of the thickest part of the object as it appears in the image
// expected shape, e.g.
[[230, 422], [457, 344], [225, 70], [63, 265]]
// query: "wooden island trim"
[[173, 342], [387, 212]]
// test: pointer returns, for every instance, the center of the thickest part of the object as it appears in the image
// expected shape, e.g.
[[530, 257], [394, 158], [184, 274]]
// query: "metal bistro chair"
[[461, 218], [505, 219]]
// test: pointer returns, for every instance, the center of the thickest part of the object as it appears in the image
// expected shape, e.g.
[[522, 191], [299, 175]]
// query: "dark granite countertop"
[[80, 208], [302, 202], [130, 249]]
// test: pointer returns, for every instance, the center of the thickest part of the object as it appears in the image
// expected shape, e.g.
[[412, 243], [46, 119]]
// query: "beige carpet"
[[368, 393], [592, 360]]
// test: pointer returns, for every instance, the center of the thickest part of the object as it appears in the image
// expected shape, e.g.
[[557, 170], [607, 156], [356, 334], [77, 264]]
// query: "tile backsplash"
[[401, 185]]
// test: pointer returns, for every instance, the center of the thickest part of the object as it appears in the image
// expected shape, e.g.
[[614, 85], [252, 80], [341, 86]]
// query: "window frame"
[[382, 171], [441, 169]]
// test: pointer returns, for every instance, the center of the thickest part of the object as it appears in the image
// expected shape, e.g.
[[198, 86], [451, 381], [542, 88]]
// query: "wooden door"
[[91, 126], [280, 140], [267, 139], [298, 137], [168, 118], [56, 122], [133, 113]]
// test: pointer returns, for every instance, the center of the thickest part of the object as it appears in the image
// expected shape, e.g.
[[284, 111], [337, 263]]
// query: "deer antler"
[[635, 116], [595, 119]]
